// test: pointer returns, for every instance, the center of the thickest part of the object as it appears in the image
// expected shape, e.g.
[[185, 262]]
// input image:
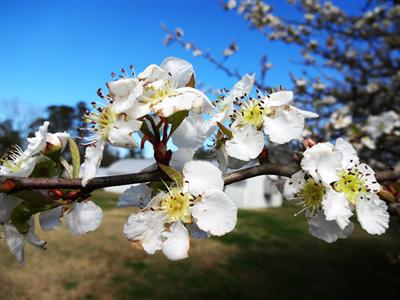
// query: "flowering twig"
[[14, 184]]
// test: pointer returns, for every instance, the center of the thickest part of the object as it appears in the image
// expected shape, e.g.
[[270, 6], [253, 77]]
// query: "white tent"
[[257, 192]]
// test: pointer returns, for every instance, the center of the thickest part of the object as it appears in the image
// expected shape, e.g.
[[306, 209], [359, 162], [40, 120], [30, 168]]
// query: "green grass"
[[105, 200], [274, 258], [270, 255]]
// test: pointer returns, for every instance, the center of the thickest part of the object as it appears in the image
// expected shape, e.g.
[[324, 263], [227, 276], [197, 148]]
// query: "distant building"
[[257, 192]]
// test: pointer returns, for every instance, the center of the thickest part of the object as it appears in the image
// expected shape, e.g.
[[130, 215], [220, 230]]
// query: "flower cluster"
[[161, 106], [331, 185]]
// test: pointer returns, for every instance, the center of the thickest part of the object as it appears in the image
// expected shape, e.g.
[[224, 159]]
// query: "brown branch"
[[15, 184]]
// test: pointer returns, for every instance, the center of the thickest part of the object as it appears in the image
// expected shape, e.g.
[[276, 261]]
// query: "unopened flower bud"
[[55, 142]]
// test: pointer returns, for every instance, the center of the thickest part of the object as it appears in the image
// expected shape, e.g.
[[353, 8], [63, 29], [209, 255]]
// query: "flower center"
[[177, 206], [12, 160], [351, 184], [312, 194], [158, 91], [252, 112], [101, 121]]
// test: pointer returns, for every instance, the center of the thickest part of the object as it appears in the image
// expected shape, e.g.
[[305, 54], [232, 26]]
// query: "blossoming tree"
[[179, 198]]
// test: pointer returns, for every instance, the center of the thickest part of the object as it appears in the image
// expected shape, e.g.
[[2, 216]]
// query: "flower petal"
[[247, 143], [349, 154], [329, 231], [200, 176], [153, 73], [284, 126], [124, 93], [215, 212], [177, 243], [180, 158], [320, 161], [137, 195], [192, 132], [146, 227], [93, 157], [84, 217], [180, 71], [50, 219], [279, 98], [337, 208], [7, 205], [120, 134], [372, 214], [293, 185], [369, 176], [15, 243], [38, 142]]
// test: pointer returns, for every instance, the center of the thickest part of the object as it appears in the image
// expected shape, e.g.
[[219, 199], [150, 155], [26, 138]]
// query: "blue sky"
[[60, 52]]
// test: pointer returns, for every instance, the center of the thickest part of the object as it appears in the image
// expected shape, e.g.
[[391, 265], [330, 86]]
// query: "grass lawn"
[[270, 255]]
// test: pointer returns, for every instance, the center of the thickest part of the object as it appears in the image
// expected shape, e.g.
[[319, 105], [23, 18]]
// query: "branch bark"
[[15, 184]]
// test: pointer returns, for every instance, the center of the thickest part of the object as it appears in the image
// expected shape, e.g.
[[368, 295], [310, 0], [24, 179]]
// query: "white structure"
[[257, 192]]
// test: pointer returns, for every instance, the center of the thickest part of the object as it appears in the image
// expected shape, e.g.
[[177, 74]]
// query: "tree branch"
[[15, 184]]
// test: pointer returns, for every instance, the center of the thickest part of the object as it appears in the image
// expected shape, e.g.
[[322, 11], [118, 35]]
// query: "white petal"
[[7, 205], [247, 143], [349, 154], [279, 98], [186, 98], [305, 113], [329, 231], [84, 217], [177, 243], [192, 132], [146, 227], [181, 71], [93, 157], [369, 177], [372, 214], [200, 176], [38, 142], [138, 110], [153, 73], [215, 212], [320, 161], [15, 242], [50, 219], [137, 195], [337, 208], [180, 158], [32, 238], [293, 185], [124, 93], [120, 134], [284, 126]]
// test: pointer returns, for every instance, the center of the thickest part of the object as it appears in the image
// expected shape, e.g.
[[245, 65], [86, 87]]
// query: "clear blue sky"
[[60, 52]]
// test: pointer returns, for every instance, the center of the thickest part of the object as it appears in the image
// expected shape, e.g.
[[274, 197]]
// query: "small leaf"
[[175, 175], [225, 130], [45, 167], [157, 186], [76, 157], [176, 119]]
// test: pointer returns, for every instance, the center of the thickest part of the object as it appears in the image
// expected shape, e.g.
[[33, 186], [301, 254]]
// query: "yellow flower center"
[[351, 184], [253, 113], [102, 120], [312, 194], [177, 206], [159, 93]]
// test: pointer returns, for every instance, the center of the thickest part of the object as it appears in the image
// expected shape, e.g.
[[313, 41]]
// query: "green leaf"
[[76, 157], [176, 119], [45, 167], [157, 186], [175, 175], [225, 130]]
